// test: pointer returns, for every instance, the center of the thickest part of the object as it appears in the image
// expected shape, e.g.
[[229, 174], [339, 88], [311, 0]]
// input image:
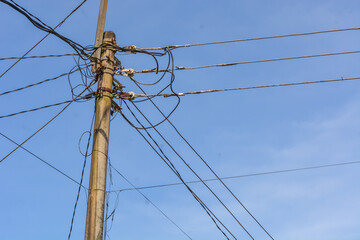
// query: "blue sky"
[[236, 132]]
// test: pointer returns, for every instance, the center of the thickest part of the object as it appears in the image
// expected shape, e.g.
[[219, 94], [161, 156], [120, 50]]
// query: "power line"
[[247, 88], [247, 62], [82, 176], [42, 160], [166, 216], [245, 175], [38, 83], [42, 56], [47, 123], [46, 106], [252, 39], [189, 167], [73, 11], [207, 165], [166, 160], [43, 26]]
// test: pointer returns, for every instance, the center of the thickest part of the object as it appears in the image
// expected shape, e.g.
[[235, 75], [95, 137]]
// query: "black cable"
[[248, 62], [147, 199], [38, 83], [170, 85], [44, 27], [164, 158], [43, 126], [82, 176], [42, 160], [43, 107], [41, 56], [73, 11], [252, 39], [207, 165], [246, 88], [107, 199], [245, 175], [193, 171]]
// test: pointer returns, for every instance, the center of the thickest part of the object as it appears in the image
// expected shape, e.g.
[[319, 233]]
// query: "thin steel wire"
[[147, 199], [248, 62], [253, 39], [247, 88], [245, 175]]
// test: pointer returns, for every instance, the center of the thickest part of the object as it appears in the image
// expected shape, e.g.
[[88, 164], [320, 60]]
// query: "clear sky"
[[237, 133]]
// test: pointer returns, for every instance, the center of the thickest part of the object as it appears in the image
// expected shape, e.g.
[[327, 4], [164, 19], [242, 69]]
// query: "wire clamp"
[[130, 49], [126, 96], [103, 91], [126, 72]]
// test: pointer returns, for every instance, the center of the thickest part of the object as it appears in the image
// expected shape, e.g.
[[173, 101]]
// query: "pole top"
[[109, 34]]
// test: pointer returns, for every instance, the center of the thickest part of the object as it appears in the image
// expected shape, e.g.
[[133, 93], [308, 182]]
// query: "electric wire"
[[44, 161], [43, 107], [253, 39], [71, 13], [249, 62], [164, 158], [245, 175], [107, 199], [170, 86], [82, 176], [41, 56], [147, 199], [47, 123], [193, 171], [43, 26], [38, 83], [246, 88], [208, 166]]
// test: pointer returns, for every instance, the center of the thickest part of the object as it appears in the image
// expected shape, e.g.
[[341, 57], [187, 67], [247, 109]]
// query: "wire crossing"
[[32, 48], [207, 165], [44, 161], [47, 123], [147, 199]]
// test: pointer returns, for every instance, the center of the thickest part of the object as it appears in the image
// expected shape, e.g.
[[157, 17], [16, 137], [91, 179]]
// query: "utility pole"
[[97, 185], [99, 32]]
